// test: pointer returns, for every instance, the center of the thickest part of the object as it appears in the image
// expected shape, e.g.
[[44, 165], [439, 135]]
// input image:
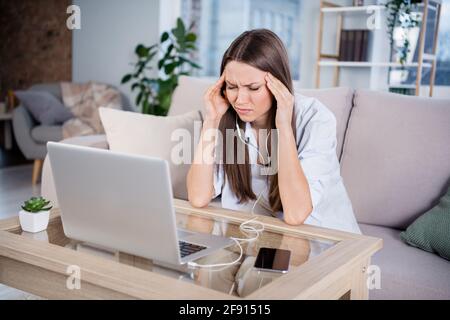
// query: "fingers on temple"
[[212, 88], [276, 92], [278, 86]]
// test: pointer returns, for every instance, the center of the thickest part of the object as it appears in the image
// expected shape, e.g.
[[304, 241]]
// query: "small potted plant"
[[176, 48], [35, 214]]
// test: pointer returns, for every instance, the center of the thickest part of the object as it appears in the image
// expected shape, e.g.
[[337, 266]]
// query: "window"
[[219, 22], [443, 51], [443, 48]]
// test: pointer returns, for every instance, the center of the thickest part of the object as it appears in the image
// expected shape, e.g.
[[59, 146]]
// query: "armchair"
[[32, 137]]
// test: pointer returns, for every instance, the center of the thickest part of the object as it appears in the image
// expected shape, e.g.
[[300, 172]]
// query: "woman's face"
[[247, 92]]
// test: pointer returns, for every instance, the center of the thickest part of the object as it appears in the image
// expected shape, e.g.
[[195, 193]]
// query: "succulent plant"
[[36, 204]]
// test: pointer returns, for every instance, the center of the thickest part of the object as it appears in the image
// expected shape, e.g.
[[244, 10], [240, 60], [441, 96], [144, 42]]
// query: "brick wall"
[[35, 44]]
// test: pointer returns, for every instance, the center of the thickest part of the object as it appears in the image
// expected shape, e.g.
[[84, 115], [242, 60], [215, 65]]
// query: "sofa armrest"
[[22, 124], [47, 187]]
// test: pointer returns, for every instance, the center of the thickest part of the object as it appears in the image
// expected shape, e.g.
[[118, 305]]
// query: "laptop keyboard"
[[189, 248]]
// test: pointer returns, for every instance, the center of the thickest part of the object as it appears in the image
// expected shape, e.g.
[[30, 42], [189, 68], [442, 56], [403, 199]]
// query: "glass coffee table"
[[324, 264]]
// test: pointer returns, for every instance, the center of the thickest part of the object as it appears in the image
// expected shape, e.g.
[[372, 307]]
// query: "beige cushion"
[[188, 96], [149, 135], [396, 157]]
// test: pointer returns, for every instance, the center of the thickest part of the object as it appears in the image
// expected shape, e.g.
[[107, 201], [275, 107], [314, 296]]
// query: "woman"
[[255, 93]]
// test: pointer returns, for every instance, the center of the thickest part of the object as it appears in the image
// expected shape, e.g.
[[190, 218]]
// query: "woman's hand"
[[215, 104], [285, 101]]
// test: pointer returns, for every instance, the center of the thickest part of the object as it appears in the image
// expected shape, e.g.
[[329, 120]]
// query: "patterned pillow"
[[431, 231]]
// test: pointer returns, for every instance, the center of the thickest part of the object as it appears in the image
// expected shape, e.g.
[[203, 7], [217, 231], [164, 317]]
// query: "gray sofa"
[[32, 137], [395, 162]]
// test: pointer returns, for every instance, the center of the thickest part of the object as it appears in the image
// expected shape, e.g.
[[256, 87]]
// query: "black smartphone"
[[275, 260]]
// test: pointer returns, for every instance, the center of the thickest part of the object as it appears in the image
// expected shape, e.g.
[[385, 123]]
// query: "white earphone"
[[247, 227], [247, 142]]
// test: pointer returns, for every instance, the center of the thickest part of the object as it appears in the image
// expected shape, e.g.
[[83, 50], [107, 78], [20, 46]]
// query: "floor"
[[7, 293], [15, 180], [11, 157], [15, 187]]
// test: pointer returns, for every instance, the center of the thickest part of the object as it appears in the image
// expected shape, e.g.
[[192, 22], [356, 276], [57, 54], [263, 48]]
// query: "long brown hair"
[[264, 50]]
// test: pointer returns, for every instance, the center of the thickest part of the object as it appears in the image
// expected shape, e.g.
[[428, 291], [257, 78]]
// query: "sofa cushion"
[[189, 96], [43, 134], [44, 107], [161, 137], [339, 101], [431, 231], [53, 88], [407, 272], [396, 157]]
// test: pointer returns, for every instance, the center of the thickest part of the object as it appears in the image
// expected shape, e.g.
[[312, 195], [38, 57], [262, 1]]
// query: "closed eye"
[[252, 89]]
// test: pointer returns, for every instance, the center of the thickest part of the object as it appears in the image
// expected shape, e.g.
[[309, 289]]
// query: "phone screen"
[[270, 259]]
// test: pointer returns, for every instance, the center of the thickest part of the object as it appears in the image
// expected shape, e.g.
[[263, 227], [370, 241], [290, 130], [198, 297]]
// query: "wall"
[[110, 30], [103, 48], [35, 45]]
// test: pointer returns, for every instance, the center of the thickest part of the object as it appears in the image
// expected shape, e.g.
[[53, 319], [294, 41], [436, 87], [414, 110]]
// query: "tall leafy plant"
[[175, 47], [401, 13]]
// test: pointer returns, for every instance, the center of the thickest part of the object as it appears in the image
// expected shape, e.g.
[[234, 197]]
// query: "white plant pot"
[[34, 222]]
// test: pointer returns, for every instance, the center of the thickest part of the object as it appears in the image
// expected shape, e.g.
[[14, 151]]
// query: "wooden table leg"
[[359, 289], [37, 167]]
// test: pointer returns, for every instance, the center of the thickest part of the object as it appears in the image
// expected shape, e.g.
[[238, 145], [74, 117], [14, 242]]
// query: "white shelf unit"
[[403, 86], [356, 64], [351, 9], [425, 60]]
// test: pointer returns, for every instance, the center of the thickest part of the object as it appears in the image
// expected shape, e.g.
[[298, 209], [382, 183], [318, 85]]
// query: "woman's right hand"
[[215, 104]]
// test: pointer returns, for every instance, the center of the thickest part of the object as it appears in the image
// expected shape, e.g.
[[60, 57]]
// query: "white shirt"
[[316, 146]]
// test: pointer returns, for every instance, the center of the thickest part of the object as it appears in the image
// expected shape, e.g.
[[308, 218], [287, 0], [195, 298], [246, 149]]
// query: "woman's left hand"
[[285, 101]]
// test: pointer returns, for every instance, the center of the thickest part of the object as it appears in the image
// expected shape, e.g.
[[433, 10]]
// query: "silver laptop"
[[123, 202]]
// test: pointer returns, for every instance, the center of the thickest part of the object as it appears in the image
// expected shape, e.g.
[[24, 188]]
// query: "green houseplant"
[[402, 13], [175, 47], [35, 214]]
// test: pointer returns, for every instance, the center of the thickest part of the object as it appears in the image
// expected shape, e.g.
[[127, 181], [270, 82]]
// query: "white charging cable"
[[245, 227], [215, 265]]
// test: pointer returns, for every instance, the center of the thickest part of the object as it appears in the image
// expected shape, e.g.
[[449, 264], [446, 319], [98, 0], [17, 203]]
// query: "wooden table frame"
[[41, 268]]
